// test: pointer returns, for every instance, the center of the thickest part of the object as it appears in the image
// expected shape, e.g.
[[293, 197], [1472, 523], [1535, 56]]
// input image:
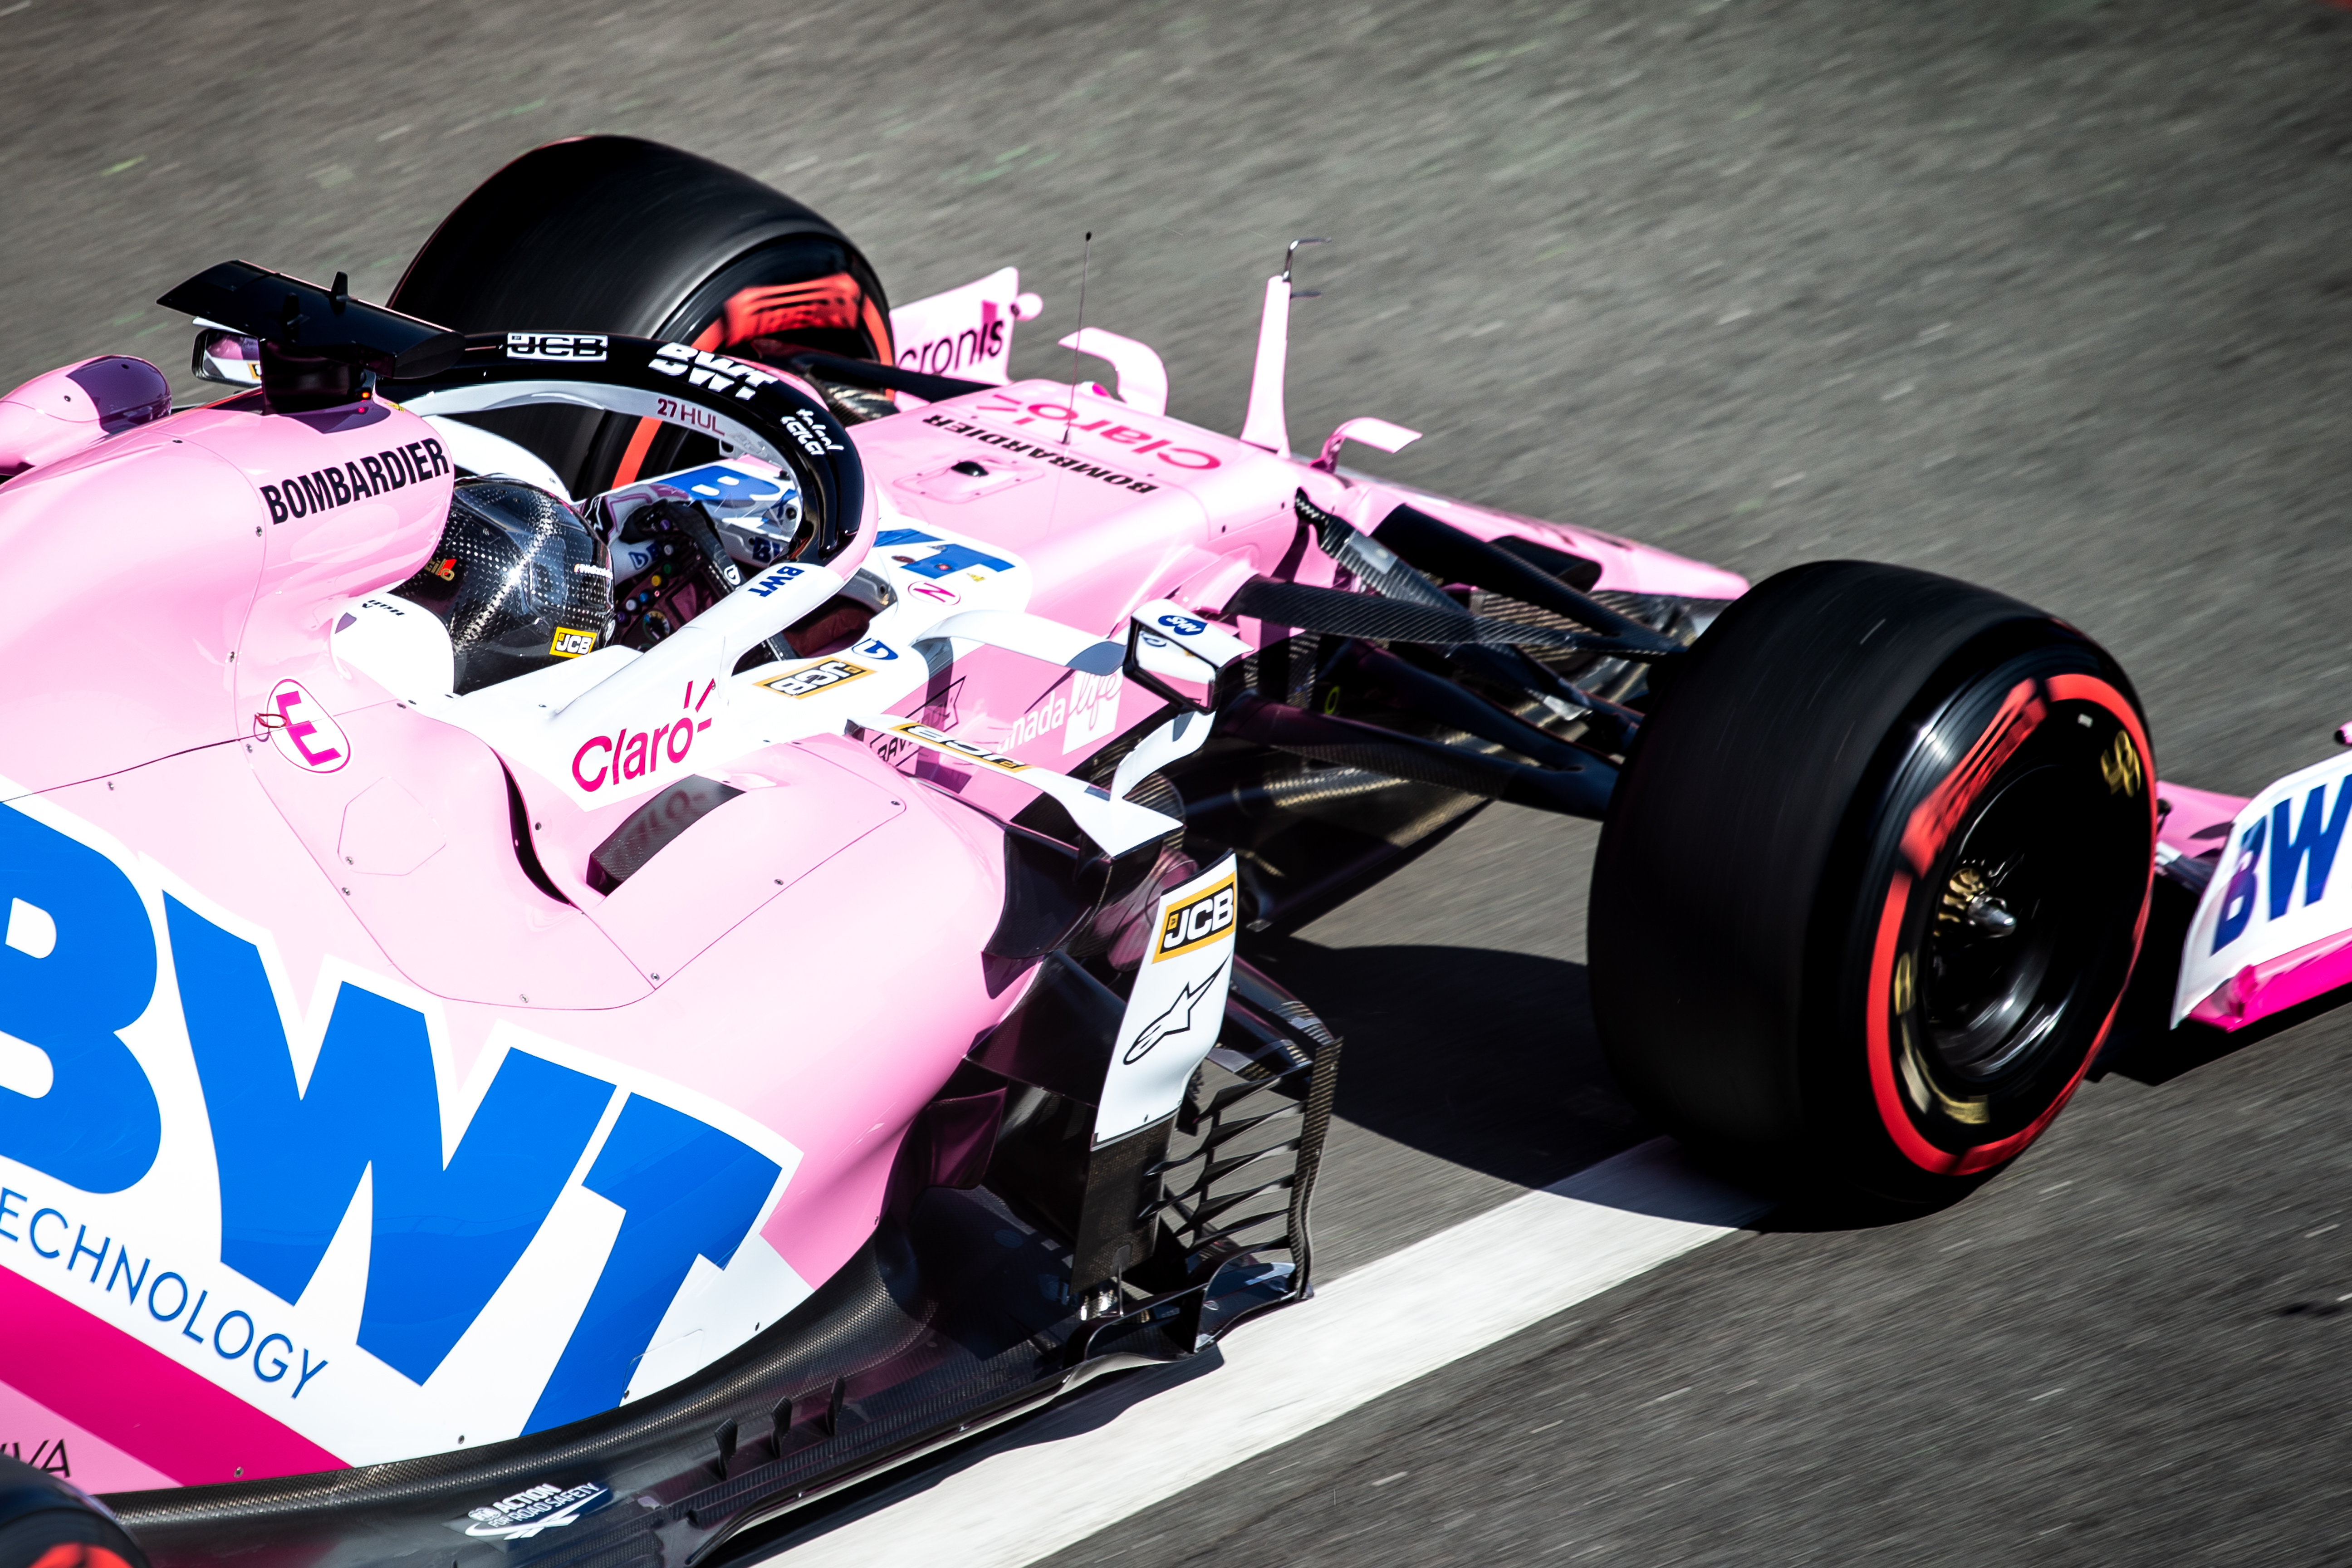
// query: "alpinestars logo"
[[1176, 1020], [1196, 923], [525, 1514]]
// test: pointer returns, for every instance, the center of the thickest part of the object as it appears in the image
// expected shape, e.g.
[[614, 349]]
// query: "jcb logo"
[[816, 678], [1196, 923], [570, 644]]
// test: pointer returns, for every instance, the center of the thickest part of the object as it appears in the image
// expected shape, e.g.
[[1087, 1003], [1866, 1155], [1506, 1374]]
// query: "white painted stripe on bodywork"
[[1115, 1451]]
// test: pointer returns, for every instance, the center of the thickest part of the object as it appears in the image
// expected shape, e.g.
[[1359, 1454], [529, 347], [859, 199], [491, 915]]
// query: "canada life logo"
[[1085, 710], [633, 755]]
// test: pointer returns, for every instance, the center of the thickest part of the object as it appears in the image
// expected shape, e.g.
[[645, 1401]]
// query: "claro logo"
[[1142, 443], [629, 753]]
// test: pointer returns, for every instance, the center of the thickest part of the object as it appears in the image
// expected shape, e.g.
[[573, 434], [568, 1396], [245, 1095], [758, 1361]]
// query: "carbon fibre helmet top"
[[517, 580]]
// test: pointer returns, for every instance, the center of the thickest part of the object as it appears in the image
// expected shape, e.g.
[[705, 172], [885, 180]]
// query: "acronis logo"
[[299, 1139]]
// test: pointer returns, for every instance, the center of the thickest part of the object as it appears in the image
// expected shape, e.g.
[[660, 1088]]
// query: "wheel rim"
[[2013, 899]]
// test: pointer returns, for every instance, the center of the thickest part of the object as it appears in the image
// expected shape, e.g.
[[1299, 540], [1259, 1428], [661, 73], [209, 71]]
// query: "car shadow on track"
[[1483, 1058]]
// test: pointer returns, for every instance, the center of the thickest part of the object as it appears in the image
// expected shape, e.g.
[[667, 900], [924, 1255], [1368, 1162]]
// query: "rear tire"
[[611, 234], [1873, 882]]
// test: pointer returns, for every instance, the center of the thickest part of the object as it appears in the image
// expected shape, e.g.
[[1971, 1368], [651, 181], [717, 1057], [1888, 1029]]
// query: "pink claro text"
[[627, 755], [1142, 443]]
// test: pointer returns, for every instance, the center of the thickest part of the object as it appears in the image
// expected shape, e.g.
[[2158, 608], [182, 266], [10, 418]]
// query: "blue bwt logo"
[[2305, 847], [446, 1234]]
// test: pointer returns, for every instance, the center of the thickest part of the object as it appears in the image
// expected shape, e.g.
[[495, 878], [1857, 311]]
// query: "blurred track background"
[[2051, 294]]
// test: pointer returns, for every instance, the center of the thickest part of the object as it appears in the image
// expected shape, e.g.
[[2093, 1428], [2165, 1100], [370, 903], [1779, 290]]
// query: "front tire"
[[1873, 882]]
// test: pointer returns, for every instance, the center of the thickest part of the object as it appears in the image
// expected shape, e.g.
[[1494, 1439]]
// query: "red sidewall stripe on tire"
[[1924, 836], [78, 1554]]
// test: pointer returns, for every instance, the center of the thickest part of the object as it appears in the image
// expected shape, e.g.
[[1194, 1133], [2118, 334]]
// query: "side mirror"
[[226, 357], [1165, 639]]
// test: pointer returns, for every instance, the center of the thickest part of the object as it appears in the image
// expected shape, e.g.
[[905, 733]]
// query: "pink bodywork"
[[808, 956], [2259, 990], [56, 415]]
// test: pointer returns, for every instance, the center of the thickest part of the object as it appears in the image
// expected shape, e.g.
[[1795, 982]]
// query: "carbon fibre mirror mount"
[[319, 348]]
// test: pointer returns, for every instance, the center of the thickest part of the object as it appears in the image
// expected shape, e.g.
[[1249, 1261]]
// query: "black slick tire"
[[1873, 882], [46, 1522], [613, 234]]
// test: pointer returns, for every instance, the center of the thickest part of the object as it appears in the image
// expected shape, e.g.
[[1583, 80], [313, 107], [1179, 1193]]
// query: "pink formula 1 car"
[[630, 908]]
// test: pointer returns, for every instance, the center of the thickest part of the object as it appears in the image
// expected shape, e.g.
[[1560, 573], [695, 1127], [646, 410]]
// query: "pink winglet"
[[1142, 378], [2289, 980], [2195, 820], [48, 1441], [1371, 432]]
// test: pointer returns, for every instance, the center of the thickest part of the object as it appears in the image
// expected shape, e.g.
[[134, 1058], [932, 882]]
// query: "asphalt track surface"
[[2050, 294]]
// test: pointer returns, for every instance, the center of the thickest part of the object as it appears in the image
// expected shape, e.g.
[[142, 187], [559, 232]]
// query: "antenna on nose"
[[1085, 253], [1290, 256]]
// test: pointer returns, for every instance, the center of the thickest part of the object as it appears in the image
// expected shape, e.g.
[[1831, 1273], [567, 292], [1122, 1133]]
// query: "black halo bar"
[[878, 376]]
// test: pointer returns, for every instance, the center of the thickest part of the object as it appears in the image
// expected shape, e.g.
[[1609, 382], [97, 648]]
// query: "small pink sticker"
[[304, 733]]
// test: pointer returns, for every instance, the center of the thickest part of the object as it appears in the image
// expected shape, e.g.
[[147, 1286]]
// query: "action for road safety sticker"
[[823, 676], [1196, 923], [532, 1510]]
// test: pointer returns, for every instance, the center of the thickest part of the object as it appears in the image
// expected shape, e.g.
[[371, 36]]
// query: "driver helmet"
[[518, 581]]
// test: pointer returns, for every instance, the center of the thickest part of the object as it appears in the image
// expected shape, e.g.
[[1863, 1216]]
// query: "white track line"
[[1054, 1482]]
